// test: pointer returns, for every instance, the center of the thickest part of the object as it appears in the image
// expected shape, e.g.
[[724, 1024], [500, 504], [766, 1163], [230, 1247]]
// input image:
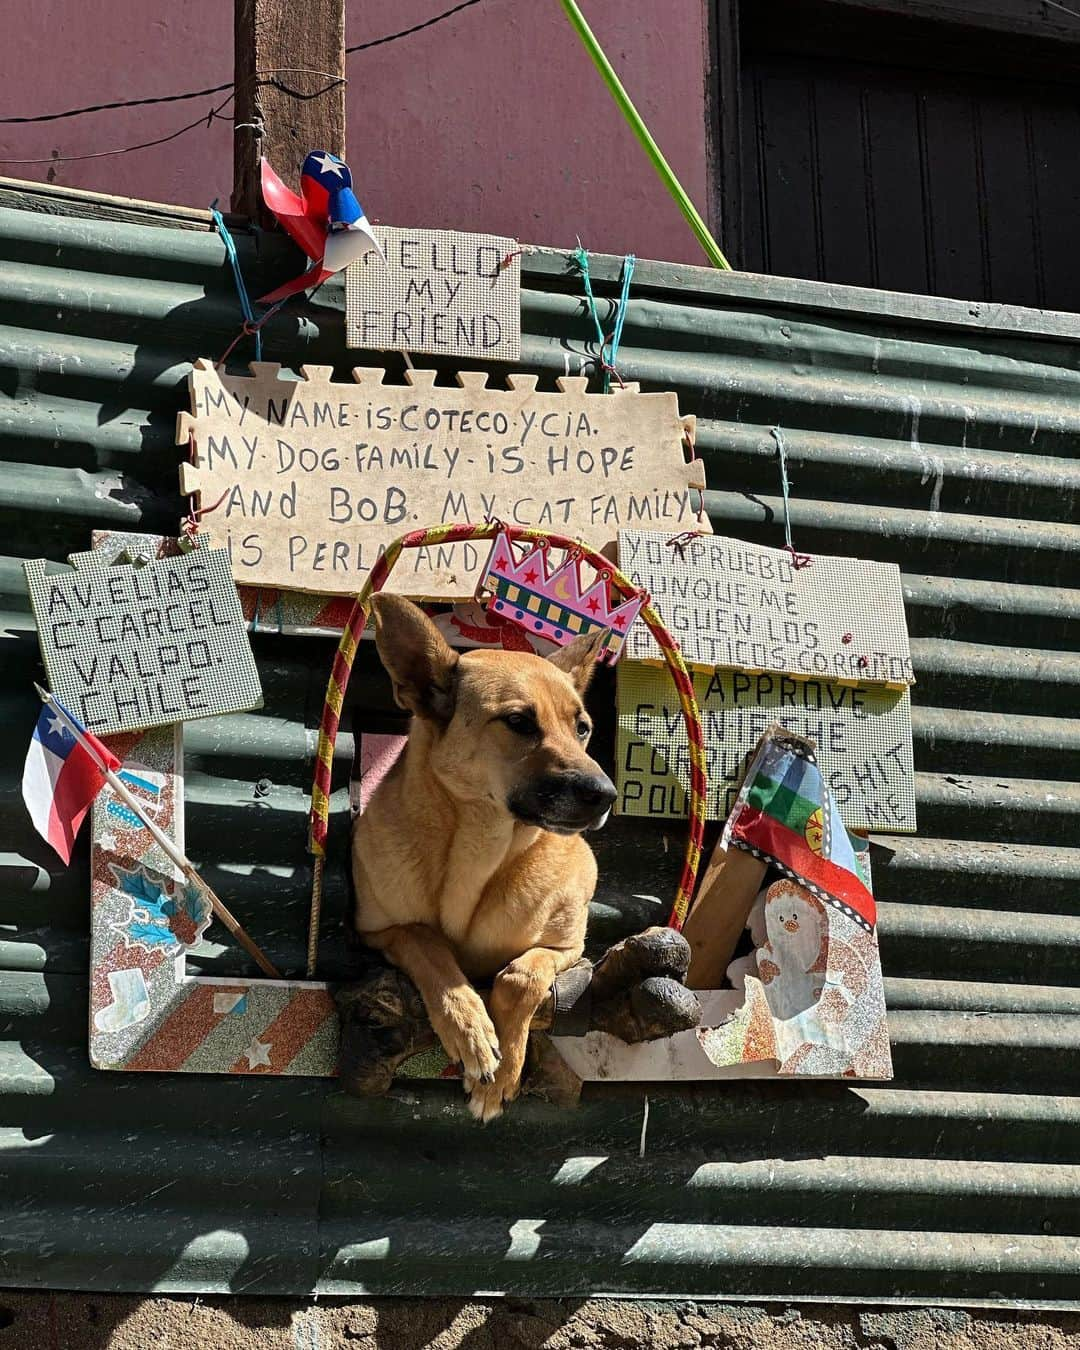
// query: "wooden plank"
[[723, 104], [289, 68], [896, 188], [1008, 182], [955, 206], [843, 187]]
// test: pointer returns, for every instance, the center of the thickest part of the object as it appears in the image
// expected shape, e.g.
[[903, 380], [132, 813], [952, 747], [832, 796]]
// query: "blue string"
[[624, 295], [581, 257], [798, 560], [582, 260], [238, 276]]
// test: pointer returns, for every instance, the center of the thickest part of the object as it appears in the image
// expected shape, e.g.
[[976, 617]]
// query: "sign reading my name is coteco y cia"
[[739, 606]]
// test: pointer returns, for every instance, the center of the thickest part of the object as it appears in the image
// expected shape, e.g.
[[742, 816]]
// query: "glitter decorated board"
[[862, 734], [309, 479], [745, 607], [440, 292], [146, 1011], [142, 643], [807, 1002]]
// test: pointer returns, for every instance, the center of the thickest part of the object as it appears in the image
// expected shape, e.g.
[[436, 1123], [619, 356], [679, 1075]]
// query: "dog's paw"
[[468, 1035], [487, 1100]]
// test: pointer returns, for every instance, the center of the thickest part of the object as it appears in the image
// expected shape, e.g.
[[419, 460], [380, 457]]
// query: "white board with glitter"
[[742, 606], [440, 292], [862, 734]]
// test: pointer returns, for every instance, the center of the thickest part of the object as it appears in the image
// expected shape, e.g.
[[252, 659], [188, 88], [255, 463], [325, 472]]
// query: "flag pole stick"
[[161, 838], [645, 138]]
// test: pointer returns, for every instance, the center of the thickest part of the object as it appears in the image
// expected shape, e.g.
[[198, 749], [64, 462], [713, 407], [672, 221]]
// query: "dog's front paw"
[[468, 1035], [487, 1100]]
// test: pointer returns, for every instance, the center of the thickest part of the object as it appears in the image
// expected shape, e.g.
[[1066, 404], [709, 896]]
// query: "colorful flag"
[[786, 815], [61, 777], [324, 219]]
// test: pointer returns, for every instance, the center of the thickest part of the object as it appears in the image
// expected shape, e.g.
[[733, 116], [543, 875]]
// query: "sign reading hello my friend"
[[441, 292], [745, 607], [128, 647], [310, 479]]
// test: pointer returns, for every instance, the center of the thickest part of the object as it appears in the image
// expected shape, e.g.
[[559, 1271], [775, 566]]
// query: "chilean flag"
[[325, 220], [61, 779]]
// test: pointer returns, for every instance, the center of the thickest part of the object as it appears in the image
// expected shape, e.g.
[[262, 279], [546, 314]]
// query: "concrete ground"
[[41, 1321]]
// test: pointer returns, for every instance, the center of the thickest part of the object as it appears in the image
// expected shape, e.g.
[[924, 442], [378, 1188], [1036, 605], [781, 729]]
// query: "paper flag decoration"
[[325, 220], [549, 600], [786, 816]]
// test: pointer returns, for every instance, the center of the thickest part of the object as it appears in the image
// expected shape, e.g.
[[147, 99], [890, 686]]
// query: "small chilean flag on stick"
[[62, 775]]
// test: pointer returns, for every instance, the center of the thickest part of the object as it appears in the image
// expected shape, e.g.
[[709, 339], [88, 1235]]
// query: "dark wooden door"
[[882, 150]]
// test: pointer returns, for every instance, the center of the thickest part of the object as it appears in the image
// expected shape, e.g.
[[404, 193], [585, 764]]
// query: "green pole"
[[641, 131]]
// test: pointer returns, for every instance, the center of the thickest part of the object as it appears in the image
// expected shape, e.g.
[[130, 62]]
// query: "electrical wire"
[[220, 88], [127, 149], [408, 32]]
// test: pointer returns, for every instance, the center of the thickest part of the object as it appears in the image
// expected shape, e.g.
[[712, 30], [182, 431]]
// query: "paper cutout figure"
[[795, 943], [325, 220], [131, 1001], [550, 600], [162, 916], [812, 991]]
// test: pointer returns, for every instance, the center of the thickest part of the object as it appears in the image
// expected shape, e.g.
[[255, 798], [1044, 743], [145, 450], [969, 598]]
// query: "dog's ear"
[[417, 658], [578, 659]]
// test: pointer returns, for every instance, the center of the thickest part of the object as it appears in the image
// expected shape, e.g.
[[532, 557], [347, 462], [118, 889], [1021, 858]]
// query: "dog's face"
[[508, 728]]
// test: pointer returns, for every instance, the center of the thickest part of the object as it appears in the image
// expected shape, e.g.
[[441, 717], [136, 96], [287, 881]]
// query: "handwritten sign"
[[862, 732], [739, 605], [310, 479], [131, 647], [440, 292]]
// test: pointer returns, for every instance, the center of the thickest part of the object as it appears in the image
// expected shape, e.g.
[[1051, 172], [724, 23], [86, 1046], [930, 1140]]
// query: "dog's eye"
[[583, 728], [521, 723]]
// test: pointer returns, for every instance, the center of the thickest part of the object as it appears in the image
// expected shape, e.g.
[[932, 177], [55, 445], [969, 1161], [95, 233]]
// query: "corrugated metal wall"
[[931, 433]]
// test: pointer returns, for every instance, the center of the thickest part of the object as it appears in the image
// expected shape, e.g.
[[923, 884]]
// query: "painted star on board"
[[531, 574], [257, 1053], [594, 605], [328, 164]]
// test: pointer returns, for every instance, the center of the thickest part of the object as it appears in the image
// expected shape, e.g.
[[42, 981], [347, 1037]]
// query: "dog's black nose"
[[594, 790]]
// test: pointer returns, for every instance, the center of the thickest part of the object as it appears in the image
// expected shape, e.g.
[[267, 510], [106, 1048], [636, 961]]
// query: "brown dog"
[[469, 861]]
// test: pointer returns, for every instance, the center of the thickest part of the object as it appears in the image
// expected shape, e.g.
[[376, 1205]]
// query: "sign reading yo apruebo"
[[131, 647], [310, 479], [441, 292], [746, 607], [862, 733]]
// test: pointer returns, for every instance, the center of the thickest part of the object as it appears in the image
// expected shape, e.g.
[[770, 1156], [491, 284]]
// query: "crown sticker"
[[552, 601]]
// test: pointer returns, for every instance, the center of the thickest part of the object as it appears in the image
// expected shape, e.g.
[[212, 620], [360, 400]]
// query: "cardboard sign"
[[741, 606], [862, 733], [130, 647], [311, 479], [440, 292]]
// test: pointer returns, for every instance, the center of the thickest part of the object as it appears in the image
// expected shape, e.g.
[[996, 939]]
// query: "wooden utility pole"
[[289, 73]]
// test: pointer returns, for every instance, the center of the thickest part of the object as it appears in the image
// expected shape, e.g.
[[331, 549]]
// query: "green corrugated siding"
[[935, 434]]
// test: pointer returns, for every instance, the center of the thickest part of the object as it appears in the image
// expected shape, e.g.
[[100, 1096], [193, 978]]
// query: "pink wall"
[[493, 119]]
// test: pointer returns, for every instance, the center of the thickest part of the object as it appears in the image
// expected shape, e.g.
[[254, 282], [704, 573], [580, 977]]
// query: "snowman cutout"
[[793, 950]]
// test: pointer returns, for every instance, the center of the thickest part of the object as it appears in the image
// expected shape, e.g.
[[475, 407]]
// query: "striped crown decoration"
[[550, 600]]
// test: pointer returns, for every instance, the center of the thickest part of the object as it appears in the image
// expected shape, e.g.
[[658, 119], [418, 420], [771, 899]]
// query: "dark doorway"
[[909, 153]]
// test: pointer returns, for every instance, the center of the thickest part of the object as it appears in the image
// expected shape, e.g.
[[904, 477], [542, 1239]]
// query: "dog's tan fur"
[[450, 885]]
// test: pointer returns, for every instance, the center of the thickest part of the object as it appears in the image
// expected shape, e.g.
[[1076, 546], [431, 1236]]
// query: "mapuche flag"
[[786, 815]]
